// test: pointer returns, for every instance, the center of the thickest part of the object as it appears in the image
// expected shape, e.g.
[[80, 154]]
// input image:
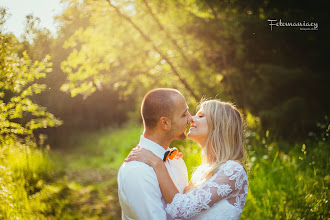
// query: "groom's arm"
[[143, 193]]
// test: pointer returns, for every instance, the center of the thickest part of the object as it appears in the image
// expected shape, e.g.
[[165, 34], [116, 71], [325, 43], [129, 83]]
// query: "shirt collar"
[[152, 146]]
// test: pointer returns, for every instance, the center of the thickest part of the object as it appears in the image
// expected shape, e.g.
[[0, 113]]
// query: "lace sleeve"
[[229, 182]]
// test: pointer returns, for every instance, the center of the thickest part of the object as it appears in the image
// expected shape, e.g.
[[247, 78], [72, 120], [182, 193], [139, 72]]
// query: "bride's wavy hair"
[[225, 139]]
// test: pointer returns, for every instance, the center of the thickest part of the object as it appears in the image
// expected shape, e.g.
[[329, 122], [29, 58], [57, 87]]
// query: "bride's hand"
[[143, 155]]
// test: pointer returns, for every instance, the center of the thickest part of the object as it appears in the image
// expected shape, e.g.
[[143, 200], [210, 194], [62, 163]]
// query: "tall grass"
[[23, 172], [286, 181], [288, 184]]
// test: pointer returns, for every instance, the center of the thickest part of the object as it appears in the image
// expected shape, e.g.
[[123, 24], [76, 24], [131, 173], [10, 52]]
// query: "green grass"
[[90, 163], [24, 170], [288, 184], [78, 180]]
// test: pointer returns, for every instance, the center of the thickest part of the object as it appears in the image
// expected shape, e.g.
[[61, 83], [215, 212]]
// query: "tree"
[[19, 115], [206, 48]]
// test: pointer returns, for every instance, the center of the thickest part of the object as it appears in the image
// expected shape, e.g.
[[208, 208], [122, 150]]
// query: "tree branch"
[[190, 62], [146, 38]]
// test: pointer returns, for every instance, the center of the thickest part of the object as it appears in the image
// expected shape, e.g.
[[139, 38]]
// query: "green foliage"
[[290, 186], [24, 171], [23, 168], [87, 188], [213, 48], [18, 114], [114, 53], [128, 54], [103, 108], [286, 181], [290, 183]]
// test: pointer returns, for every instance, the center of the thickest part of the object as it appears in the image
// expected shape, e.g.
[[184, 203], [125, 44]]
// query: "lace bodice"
[[224, 194]]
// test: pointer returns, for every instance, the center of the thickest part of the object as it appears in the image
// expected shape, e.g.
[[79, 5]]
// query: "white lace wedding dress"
[[223, 196]]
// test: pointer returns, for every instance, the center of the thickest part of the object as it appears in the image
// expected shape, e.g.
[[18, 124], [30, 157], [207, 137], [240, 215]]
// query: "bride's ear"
[[165, 123]]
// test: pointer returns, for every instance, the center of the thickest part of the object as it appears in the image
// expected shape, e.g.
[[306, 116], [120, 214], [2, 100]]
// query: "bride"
[[219, 186]]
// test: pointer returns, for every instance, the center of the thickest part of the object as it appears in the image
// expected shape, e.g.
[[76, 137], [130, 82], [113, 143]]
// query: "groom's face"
[[180, 119]]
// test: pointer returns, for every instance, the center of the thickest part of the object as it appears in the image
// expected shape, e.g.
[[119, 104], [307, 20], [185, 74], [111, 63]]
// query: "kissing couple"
[[153, 180]]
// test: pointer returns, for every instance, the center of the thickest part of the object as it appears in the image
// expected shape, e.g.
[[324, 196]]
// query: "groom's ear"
[[165, 123]]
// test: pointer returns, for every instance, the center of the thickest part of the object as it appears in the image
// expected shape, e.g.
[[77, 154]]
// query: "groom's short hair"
[[158, 103]]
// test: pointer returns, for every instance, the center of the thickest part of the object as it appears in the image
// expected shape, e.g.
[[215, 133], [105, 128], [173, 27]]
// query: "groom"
[[165, 117]]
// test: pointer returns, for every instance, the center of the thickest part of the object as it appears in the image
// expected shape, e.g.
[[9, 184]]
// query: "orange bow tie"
[[171, 154]]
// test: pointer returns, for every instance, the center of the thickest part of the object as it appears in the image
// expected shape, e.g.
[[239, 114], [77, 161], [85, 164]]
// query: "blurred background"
[[74, 72]]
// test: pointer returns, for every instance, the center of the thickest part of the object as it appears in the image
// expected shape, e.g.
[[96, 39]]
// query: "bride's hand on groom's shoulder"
[[143, 155]]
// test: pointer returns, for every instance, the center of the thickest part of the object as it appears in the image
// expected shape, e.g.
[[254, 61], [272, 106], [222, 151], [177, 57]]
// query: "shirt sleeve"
[[230, 181], [142, 191]]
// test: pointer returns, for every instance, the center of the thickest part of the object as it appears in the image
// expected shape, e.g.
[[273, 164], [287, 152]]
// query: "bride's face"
[[198, 128]]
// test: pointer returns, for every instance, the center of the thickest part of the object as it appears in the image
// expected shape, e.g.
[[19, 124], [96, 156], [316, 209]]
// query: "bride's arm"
[[166, 184], [229, 182]]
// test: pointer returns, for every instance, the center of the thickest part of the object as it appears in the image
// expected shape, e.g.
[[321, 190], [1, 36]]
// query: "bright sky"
[[18, 9]]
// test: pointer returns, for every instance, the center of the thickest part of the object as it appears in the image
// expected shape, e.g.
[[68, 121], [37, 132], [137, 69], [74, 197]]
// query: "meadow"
[[93, 73], [78, 179]]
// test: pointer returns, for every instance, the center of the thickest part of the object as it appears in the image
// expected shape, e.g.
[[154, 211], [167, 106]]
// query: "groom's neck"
[[157, 138]]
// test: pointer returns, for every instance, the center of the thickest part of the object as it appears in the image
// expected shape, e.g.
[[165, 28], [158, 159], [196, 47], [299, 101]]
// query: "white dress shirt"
[[139, 193]]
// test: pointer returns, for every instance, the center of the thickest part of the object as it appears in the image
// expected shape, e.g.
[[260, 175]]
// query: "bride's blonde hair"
[[225, 140]]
